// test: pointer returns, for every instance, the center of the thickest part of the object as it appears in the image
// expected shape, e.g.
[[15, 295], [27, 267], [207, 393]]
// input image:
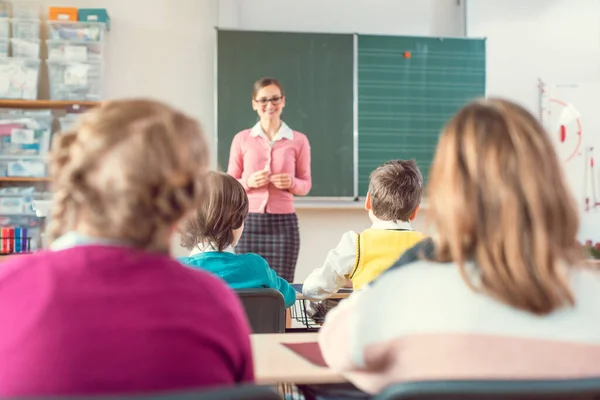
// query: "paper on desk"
[[310, 351]]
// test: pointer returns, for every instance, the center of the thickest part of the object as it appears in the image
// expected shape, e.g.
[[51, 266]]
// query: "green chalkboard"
[[404, 102], [316, 71]]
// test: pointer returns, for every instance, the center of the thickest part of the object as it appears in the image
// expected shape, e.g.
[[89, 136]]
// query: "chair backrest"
[[265, 309], [572, 389], [241, 392]]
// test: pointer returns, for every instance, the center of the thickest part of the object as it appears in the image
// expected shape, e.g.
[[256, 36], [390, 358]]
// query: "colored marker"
[[18, 240], [25, 242]]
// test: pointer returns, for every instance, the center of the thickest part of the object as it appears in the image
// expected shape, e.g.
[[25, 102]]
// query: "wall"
[[556, 40], [383, 17]]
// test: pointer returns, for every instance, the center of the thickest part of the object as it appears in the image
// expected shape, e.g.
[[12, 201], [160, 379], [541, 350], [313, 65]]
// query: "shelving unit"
[[46, 104], [41, 184], [23, 179]]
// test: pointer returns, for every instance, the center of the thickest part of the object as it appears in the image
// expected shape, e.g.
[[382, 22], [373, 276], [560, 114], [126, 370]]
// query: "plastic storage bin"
[[5, 8], [4, 28], [26, 168], [75, 80], [19, 78], [25, 48], [64, 50], [83, 31], [4, 47], [25, 136], [67, 122], [26, 28], [26, 9]]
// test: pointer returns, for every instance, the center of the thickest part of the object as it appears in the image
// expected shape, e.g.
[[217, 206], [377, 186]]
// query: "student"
[[106, 309], [505, 295], [392, 202], [215, 229]]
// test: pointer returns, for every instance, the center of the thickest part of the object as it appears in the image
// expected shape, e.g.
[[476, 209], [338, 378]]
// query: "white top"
[[204, 248], [327, 280], [284, 132], [421, 321]]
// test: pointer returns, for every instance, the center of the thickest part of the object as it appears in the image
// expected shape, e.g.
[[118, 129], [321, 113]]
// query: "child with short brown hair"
[[107, 303], [214, 230], [392, 202]]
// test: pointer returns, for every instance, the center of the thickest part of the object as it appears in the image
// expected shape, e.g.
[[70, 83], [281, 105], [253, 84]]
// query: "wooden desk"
[[275, 363]]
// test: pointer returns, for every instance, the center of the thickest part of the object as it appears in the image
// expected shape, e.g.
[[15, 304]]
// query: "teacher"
[[272, 162]]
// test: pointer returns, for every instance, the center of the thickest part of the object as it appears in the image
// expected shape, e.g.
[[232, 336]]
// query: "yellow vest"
[[377, 250]]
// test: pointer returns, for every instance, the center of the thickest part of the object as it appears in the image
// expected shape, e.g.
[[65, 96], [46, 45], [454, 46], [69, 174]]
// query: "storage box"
[[94, 15], [83, 31], [25, 48], [68, 50], [67, 122], [19, 78], [25, 136], [26, 168], [29, 9], [75, 80], [25, 28], [5, 9], [62, 14], [4, 47], [42, 208], [4, 28]]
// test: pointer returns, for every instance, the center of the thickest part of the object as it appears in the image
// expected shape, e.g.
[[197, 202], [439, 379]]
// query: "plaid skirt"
[[276, 238]]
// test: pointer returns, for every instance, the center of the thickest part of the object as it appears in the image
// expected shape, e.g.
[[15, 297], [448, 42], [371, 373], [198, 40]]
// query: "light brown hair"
[[395, 188], [497, 196], [129, 171], [263, 83], [223, 209]]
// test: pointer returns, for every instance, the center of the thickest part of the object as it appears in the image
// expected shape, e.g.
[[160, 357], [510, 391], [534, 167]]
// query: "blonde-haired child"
[[106, 309]]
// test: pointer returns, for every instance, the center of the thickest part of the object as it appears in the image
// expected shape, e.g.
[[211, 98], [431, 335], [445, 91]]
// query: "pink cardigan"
[[250, 153]]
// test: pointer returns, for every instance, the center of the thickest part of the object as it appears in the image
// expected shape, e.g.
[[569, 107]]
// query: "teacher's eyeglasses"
[[275, 100]]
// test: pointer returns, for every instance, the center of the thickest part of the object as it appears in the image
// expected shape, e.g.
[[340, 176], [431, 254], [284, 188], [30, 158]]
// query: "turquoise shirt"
[[241, 271]]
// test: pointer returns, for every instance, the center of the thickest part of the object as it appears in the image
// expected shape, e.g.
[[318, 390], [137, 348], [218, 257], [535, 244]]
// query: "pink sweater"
[[250, 153], [99, 319]]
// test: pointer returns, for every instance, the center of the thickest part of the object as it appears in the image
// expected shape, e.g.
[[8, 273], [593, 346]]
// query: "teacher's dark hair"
[[224, 208], [263, 83]]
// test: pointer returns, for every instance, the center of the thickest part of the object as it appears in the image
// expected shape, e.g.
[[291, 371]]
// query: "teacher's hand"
[[258, 179], [281, 181]]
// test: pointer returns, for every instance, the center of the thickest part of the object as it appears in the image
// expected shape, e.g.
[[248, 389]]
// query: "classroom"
[[480, 279]]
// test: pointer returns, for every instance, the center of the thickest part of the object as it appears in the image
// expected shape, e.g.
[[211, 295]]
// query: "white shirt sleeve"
[[327, 280]]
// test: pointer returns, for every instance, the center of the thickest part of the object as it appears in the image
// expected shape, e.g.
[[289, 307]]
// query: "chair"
[[242, 392], [265, 309], [572, 389]]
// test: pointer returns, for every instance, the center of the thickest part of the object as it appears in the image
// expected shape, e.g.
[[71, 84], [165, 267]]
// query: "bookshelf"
[[16, 192]]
